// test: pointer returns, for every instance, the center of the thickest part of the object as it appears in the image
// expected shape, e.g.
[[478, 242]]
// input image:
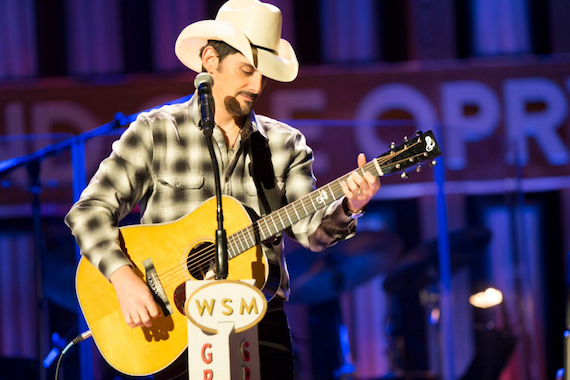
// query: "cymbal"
[[420, 266], [319, 277]]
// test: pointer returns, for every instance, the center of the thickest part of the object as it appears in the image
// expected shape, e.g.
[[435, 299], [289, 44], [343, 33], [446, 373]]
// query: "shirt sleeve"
[[119, 184], [325, 227]]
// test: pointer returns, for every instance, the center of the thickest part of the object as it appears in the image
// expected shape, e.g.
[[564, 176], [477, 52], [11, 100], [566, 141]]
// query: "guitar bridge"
[[155, 286]]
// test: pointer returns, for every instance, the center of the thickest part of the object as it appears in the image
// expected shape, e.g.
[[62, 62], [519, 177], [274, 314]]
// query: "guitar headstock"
[[414, 152]]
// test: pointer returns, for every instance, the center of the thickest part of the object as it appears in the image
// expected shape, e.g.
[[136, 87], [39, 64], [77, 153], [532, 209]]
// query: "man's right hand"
[[137, 305]]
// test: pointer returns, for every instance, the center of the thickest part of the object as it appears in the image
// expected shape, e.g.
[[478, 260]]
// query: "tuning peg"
[[432, 163], [405, 138], [418, 133], [404, 175], [419, 168], [392, 145]]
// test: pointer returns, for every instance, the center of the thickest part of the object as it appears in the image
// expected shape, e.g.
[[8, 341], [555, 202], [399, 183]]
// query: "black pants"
[[275, 350]]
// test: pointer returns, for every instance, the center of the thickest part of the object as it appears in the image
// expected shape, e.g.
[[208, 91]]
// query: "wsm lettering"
[[209, 306]]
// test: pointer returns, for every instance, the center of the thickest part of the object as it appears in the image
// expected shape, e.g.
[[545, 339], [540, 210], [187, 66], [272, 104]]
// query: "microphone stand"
[[221, 236]]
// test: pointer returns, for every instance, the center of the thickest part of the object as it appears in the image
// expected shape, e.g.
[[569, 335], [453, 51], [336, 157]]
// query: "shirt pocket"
[[177, 182]]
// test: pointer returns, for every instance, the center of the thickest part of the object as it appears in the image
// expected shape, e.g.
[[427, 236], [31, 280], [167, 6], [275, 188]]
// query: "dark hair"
[[222, 48]]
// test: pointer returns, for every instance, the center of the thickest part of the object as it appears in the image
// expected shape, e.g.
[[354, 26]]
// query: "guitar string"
[[204, 256], [194, 262], [199, 258], [282, 214], [208, 252]]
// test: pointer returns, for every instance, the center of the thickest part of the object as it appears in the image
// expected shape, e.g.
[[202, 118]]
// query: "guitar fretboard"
[[281, 219], [407, 154]]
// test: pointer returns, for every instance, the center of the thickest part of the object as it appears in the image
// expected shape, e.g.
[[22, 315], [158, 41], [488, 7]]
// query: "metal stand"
[[43, 322]]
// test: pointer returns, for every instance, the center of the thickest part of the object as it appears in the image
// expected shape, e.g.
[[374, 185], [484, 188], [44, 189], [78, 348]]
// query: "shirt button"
[[178, 184], [220, 145]]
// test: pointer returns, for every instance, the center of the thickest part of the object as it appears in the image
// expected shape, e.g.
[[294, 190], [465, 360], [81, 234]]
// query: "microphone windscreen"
[[203, 78]]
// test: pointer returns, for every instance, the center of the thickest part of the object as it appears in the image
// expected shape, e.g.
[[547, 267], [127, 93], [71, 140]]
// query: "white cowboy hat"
[[250, 26]]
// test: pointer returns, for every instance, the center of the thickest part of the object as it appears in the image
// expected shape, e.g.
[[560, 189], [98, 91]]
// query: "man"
[[162, 163]]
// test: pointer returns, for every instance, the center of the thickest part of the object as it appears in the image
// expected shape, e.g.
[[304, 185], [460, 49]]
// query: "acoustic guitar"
[[167, 255]]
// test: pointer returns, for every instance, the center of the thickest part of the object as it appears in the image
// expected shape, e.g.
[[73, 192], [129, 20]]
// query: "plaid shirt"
[[162, 163]]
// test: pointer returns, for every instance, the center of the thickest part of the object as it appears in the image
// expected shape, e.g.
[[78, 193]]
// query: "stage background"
[[492, 78]]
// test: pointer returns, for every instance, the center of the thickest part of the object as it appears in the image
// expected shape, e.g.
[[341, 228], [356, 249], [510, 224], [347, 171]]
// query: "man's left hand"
[[359, 189]]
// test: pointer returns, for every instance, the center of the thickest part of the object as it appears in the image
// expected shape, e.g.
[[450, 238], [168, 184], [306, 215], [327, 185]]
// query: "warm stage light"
[[484, 300]]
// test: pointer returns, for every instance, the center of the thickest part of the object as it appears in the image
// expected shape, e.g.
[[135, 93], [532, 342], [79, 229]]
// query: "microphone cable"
[[78, 339]]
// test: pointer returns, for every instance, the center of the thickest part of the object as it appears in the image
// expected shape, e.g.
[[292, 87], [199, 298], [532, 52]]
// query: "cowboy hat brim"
[[282, 67]]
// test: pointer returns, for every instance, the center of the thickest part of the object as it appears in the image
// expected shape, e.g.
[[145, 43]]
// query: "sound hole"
[[200, 264], [201, 260]]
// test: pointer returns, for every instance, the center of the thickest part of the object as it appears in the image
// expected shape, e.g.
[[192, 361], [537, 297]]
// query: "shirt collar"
[[251, 123], [194, 112], [257, 126]]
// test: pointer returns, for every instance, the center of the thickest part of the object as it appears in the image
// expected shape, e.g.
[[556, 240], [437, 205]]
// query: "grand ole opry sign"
[[490, 116]]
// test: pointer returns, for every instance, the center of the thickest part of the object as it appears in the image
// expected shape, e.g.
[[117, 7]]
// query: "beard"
[[234, 107]]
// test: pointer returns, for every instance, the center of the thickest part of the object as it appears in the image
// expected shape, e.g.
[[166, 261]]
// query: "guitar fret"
[[288, 217], [296, 213], [330, 191], [282, 223], [258, 231], [313, 203], [304, 208], [242, 247], [251, 238], [234, 252], [230, 247], [273, 220], [267, 228]]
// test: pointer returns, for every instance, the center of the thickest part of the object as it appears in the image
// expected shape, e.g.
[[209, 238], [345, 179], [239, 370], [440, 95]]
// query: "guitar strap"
[[264, 174]]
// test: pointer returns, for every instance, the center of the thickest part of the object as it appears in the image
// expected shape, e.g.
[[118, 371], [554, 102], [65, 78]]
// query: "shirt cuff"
[[111, 262]]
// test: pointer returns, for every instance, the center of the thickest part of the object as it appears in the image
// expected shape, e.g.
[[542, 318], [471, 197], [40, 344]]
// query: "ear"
[[210, 59]]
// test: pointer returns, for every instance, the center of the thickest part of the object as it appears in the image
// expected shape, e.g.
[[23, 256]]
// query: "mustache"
[[252, 95]]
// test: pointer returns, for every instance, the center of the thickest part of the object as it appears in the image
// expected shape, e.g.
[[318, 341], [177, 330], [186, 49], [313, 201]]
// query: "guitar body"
[[180, 251]]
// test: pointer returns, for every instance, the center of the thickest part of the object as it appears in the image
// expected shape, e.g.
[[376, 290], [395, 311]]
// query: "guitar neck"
[[408, 154], [279, 220]]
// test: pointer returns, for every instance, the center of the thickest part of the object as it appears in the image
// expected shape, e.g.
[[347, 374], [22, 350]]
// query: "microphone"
[[203, 84]]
